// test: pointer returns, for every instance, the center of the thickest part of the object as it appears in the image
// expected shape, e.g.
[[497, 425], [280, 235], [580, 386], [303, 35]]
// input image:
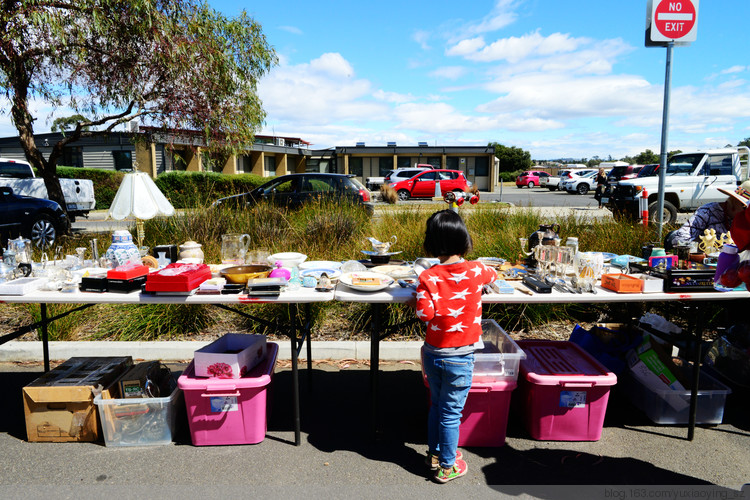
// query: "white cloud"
[[393, 97], [466, 47], [448, 72], [734, 69], [514, 49], [421, 37], [439, 118], [291, 29], [502, 15]]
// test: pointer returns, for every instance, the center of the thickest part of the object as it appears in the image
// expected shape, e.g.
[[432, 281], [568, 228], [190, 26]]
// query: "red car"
[[422, 185], [530, 178]]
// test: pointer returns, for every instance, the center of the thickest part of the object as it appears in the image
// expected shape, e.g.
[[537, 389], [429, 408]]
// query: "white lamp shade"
[[139, 197]]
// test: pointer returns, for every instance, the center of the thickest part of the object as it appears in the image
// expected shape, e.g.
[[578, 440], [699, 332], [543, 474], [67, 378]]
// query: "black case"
[[537, 285], [126, 286], [699, 278]]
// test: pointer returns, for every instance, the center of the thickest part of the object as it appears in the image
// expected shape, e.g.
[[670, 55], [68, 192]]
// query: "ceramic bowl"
[[287, 259], [240, 274]]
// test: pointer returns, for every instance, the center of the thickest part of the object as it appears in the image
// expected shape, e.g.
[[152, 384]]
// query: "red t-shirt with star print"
[[449, 300]]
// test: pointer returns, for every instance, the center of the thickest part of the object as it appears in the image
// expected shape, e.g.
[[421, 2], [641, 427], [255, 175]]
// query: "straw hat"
[[742, 193]]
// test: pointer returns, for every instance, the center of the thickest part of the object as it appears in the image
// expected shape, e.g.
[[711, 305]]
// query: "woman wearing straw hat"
[[714, 215]]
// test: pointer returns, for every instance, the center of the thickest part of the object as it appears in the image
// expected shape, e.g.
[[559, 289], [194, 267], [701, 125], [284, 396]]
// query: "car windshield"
[[649, 170], [618, 171], [684, 164]]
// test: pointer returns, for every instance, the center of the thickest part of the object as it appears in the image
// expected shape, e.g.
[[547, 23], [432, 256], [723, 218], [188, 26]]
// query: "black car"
[[293, 190], [40, 220]]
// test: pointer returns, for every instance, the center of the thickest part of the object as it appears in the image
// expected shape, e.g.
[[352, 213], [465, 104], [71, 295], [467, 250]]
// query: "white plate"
[[317, 271], [348, 280], [320, 264]]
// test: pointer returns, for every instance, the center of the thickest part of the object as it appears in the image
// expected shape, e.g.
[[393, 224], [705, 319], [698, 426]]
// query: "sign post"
[[669, 23]]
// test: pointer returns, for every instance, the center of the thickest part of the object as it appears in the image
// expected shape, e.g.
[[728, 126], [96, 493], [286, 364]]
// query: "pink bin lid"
[[552, 362]]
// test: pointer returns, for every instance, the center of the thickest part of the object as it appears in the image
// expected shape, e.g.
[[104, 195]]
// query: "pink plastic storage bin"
[[484, 420], [563, 391], [229, 411]]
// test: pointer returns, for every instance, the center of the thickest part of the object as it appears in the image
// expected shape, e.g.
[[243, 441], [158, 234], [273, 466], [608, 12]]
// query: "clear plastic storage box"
[[667, 406], [500, 358], [139, 421]]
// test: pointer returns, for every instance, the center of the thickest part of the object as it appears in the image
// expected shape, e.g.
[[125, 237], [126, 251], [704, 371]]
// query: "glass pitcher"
[[233, 248]]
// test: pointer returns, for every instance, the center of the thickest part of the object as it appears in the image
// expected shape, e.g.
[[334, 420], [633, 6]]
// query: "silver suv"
[[402, 174]]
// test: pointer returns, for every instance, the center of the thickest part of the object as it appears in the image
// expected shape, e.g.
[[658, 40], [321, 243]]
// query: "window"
[[269, 165], [385, 165], [718, 165], [355, 166], [319, 184], [434, 161], [403, 162], [123, 160], [14, 170], [428, 176], [481, 166], [73, 156], [451, 163]]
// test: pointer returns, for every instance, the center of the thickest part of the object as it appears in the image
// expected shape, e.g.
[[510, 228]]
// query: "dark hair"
[[446, 234]]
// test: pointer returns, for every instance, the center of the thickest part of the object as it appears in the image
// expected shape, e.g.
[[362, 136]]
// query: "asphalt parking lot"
[[341, 456]]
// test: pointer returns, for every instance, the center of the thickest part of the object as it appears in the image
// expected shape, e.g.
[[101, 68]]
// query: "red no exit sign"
[[674, 20]]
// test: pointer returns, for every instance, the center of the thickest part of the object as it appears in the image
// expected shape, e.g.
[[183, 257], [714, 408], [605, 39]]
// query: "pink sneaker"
[[444, 475]]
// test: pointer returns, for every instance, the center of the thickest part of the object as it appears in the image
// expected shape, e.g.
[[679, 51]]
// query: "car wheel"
[[519, 186], [531, 184], [403, 195], [670, 212], [43, 232], [582, 188], [552, 188]]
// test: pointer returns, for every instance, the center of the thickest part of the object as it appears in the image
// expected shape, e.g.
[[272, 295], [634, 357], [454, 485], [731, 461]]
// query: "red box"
[[188, 277], [229, 411], [127, 272], [484, 420], [563, 391], [622, 283]]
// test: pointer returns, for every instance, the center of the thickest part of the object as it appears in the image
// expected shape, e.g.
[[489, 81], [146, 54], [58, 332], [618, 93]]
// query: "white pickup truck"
[[692, 179], [18, 174]]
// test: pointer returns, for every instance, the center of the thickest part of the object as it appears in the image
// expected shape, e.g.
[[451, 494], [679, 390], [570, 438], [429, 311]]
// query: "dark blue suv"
[[40, 220]]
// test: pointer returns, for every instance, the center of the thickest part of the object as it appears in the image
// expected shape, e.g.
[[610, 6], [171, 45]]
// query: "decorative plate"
[[316, 272], [608, 256], [396, 272], [318, 264], [366, 281]]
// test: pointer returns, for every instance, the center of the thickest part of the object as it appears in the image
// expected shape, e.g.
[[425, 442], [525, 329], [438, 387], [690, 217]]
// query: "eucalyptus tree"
[[172, 64]]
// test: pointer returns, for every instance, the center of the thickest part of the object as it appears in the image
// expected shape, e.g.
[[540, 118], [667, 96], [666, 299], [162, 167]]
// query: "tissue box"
[[651, 284], [231, 356]]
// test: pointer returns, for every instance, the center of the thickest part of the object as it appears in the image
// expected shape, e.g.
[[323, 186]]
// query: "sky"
[[560, 79]]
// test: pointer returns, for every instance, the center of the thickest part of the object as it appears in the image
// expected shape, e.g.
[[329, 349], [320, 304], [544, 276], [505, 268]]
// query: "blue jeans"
[[449, 378]]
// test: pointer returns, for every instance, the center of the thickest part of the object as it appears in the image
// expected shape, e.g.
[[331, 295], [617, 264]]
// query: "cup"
[[658, 252], [258, 256]]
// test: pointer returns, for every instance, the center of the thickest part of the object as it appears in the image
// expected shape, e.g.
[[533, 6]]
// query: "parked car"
[[293, 190], [552, 182], [38, 219], [580, 182], [648, 170], [623, 172], [422, 185], [530, 178], [402, 174]]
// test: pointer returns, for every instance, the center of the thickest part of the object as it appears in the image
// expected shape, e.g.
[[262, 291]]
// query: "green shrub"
[[195, 189]]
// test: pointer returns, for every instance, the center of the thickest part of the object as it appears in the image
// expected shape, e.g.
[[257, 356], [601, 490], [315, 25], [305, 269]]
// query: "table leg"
[[696, 344], [45, 336], [308, 336], [295, 387], [377, 312]]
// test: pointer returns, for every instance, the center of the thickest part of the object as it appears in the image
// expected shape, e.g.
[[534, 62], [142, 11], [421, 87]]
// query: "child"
[[449, 300]]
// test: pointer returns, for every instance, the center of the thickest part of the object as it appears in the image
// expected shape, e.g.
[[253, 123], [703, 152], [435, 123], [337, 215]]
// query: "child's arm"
[[424, 308]]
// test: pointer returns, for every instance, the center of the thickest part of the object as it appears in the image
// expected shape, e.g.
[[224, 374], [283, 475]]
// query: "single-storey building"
[[268, 156]]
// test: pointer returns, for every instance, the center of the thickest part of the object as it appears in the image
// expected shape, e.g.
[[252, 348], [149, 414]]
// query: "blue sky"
[[556, 78]]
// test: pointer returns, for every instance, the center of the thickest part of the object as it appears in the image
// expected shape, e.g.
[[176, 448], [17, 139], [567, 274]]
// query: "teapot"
[[545, 235], [21, 247], [233, 248], [191, 250]]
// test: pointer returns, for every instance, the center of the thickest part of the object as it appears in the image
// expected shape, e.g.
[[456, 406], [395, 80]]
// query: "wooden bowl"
[[240, 274]]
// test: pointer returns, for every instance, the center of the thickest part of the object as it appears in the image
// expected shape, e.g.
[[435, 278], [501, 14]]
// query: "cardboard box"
[[59, 406], [622, 283], [231, 356], [651, 284]]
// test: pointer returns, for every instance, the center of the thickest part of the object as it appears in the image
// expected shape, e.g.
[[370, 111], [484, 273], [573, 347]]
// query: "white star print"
[[477, 270], [455, 313], [436, 297], [434, 328], [460, 295], [458, 277], [435, 279], [458, 327], [420, 313], [479, 288], [421, 295], [478, 320]]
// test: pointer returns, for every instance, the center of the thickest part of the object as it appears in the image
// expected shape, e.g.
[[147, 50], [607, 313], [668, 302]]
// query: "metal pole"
[[664, 135]]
